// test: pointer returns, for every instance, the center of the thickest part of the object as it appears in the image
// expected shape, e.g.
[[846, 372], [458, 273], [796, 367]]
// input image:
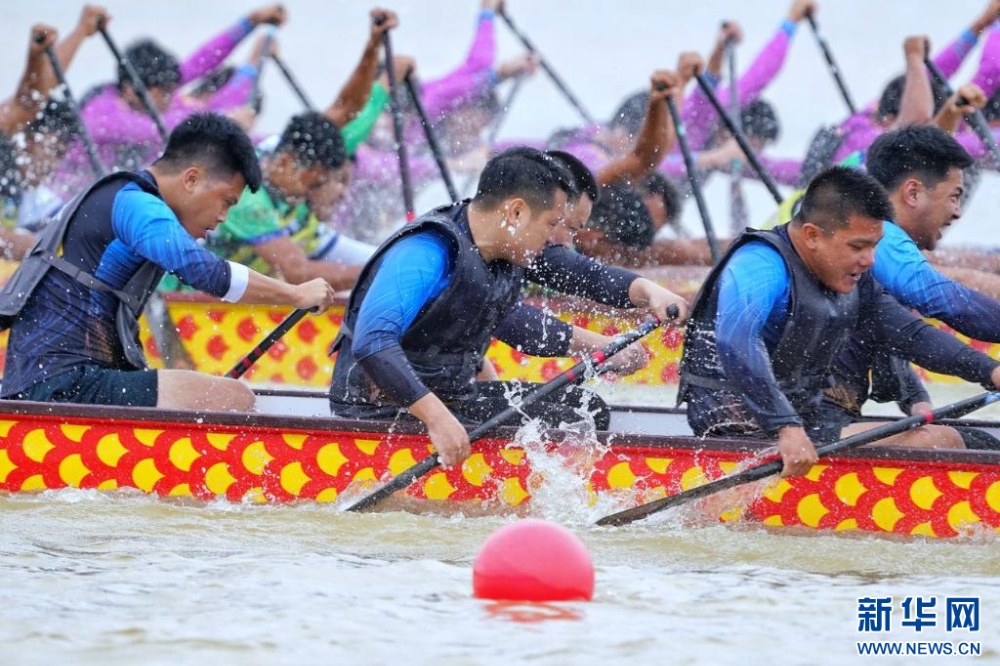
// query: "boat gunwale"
[[204, 419]]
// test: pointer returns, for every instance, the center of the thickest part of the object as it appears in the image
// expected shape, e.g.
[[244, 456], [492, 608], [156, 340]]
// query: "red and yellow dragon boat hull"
[[268, 458]]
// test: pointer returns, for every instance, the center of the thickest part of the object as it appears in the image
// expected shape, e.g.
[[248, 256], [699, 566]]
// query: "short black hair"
[[212, 82], [10, 174], [839, 192], [892, 97], [313, 140], [582, 176], [758, 119], [216, 143], [924, 151], [657, 184], [527, 173], [156, 67], [621, 214], [631, 113]]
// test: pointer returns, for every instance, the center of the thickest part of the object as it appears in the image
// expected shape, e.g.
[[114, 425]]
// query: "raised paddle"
[[738, 216], [831, 64], [574, 102], [81, 129], [397, 125], [279, 331], [694, 180], [977, 121], [579, 372], [292, 82], [764, 470], [741, 138], [137, 84], [265, 51], [431, 135]]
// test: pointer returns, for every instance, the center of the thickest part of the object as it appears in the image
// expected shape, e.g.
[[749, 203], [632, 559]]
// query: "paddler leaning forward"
[[770, 318]]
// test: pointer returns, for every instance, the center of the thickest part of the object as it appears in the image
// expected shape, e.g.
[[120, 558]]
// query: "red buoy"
[[533, 560]]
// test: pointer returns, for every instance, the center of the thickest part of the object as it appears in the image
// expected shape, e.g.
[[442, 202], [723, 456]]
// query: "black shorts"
[[96, 385]]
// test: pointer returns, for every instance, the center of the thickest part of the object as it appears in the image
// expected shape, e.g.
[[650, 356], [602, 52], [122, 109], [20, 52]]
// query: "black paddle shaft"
[[765, 470], [570, 97], [692, 174], [741, 138], [88, 141], [279, 331], [832, 64], [292, 82], [137, 84], [576, 374], [977, 121], [397, 126], [432, 139]]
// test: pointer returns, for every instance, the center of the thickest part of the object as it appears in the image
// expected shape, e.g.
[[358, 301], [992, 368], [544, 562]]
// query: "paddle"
[[692, 174], [279, 331], [765, 470], [81, 129], [548, 69], [741, 138], [738, 216], [292, 82], [137, 84], [834, 70], [576, 374], [265, 51], [977, 121], [397, 126], [431, 135]]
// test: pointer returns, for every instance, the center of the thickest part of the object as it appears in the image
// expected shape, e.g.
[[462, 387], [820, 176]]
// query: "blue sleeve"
[[906, 274], [754, 292], [149, 228], [534, 332], [412, 272], [570, 272]]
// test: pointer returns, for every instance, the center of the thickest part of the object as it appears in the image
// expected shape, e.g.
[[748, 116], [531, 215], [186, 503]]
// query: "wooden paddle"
[[574, 375], [279, 331], [765, 470]]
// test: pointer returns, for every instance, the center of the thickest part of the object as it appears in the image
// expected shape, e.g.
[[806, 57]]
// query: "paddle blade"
[[400, 482]]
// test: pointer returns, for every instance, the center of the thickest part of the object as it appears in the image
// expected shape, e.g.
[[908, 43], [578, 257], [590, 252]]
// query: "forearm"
[[390, 370], [655, 139], [530, 331], [67, 48], [262, 289], [916, 107], [352, 97]]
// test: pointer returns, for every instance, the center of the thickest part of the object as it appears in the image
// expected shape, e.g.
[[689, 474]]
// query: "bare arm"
[[655, 139], [288, 260], [313, 294], [35, 83], [917, 104], [352, 97], [91, 18], [951, 114]]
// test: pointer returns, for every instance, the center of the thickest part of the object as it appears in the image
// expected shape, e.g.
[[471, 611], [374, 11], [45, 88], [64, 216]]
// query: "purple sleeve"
[[751, 84], [211, 55], [469, 79], [236, 92], [859, 131], [988, 75], [383, 166], [784, 171], [951, 58], [972, 143], [111, 121], [673, 166]]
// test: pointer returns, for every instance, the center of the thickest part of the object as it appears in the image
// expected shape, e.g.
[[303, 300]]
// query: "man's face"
[[936, 208], [840, 259], [576, 218], [323, 199], [206, 200], [526, 231]]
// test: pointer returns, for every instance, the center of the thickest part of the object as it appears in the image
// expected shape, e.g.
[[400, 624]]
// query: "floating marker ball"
[[533, 560]]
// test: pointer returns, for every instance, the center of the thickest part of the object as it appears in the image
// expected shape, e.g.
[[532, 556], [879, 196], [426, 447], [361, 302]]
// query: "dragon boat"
[[292, 450]]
